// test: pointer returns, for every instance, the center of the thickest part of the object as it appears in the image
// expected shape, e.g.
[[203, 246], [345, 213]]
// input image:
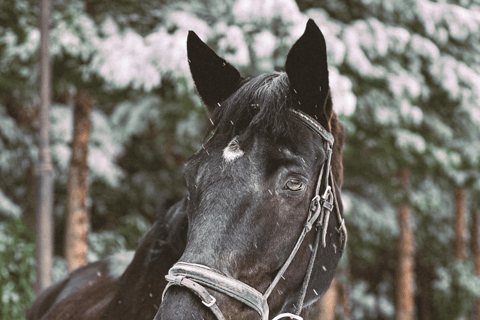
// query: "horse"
[[261, 231]]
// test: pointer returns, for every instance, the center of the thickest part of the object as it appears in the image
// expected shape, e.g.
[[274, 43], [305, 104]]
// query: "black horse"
[[260, 233]]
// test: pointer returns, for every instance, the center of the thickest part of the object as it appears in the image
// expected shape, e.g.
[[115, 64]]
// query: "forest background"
[[405, 79]]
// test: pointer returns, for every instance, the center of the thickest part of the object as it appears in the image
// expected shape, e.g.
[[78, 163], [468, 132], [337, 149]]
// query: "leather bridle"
[[196, 277]]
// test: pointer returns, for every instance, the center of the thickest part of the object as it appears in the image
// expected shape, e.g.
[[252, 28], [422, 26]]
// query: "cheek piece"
[[196, 277]]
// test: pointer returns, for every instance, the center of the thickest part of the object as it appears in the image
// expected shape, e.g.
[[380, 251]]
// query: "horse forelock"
[[261, 102]]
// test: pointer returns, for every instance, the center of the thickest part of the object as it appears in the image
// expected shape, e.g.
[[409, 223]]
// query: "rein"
[[196, 276]]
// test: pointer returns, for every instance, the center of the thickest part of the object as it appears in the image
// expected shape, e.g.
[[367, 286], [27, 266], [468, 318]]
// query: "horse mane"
[[263, 102], [338, 132]]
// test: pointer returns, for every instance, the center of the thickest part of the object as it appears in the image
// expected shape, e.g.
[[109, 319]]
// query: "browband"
[[314, 125]]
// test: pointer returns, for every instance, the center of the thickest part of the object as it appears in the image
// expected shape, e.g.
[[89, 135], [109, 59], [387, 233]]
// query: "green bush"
[[17, 269]]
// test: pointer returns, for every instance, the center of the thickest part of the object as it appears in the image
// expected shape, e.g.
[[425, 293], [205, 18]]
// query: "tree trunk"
[[44, 170], [328, 305], [344, 292], [30, 199], [78, 220], [405, 273], [476, 253], [460, 225]]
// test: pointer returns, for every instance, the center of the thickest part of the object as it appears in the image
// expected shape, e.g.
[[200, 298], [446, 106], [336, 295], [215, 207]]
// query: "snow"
[[336, 50], [8, 128], [124, 60], [386, 116], [455, 22], [108, 27], [187, 21], [8, 207], [168, 53], [23, 51], [128, 59], [355, 57], [444, 72], [429, 14], [75, 36], [379, 39], [475, 114], [424, 48], [119, 263], [404, 84], [233, 47], [131, 118], [264, 44], [68, 39], [347, 203], [412, 114], [344, 100], [398, 38], [443, 21], [441, 156], [253, 11], [361, 297], [406, 140], [386, 307]]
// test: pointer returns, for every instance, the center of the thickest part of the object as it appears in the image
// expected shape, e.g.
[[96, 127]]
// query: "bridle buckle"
[[314, 212], [211, 303], [315, 203], [327, 193]]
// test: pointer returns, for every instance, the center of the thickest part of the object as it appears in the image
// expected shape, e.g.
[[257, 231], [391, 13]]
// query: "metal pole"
[[43, 215]]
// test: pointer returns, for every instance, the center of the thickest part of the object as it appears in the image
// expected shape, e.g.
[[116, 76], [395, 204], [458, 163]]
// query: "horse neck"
[[141, 285]]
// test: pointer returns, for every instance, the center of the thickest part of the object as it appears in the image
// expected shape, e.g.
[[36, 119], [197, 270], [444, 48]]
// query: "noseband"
[[196, 277]]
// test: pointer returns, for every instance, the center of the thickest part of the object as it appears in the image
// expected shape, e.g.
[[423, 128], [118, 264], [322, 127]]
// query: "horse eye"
[[294, 185]]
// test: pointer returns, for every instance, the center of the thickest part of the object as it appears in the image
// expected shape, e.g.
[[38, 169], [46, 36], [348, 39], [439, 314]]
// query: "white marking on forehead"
[[232, 151]]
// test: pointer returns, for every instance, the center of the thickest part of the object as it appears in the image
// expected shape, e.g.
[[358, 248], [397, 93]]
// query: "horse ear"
[[307, 71], [215, 78]]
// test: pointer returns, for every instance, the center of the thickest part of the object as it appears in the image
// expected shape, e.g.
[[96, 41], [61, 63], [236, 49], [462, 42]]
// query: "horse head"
[[257, 244]]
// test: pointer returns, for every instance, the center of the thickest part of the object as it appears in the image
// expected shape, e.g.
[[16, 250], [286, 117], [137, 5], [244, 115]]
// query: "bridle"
[[196, 277]]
